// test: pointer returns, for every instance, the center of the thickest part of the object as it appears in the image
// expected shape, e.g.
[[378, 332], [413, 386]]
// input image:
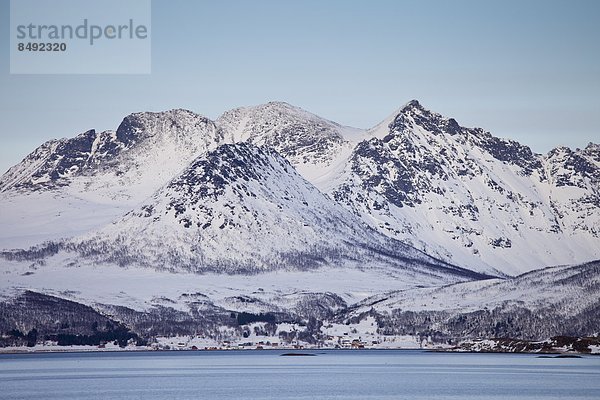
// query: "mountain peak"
[[592, 148], [413, 105], [414, 114], [279, 104], [141, 125], [559, 150], [146, 150], [298, 135], [592, 145]]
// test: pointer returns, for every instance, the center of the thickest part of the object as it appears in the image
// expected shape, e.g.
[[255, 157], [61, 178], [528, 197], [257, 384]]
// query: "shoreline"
[[550, 354]]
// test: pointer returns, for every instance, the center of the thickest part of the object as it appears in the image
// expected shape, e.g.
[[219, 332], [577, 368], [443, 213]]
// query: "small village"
[[333, 342]]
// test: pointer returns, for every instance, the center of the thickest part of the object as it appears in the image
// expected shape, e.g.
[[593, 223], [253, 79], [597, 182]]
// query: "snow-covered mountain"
[[69, 186], [145, 151], [459, 194], [466, 196], [175, 224]]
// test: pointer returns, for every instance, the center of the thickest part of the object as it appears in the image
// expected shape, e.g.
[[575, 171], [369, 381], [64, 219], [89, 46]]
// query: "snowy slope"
[[473, 199], [532, 306], [244, 209], [143, 288], [570, 289]]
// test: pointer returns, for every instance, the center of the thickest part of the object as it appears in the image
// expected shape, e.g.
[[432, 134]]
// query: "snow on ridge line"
[[323, 160]]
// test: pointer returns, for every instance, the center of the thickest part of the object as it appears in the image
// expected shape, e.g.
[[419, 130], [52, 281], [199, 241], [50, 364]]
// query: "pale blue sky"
[[528, 70]]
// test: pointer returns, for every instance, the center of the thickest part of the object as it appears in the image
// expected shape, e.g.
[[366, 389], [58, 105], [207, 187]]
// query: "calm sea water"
[[268, 375]]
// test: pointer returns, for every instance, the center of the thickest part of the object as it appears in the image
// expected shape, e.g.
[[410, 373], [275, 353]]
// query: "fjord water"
[[268, 375]]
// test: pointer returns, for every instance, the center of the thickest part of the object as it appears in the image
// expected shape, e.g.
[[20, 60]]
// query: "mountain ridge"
[[418, 177]]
